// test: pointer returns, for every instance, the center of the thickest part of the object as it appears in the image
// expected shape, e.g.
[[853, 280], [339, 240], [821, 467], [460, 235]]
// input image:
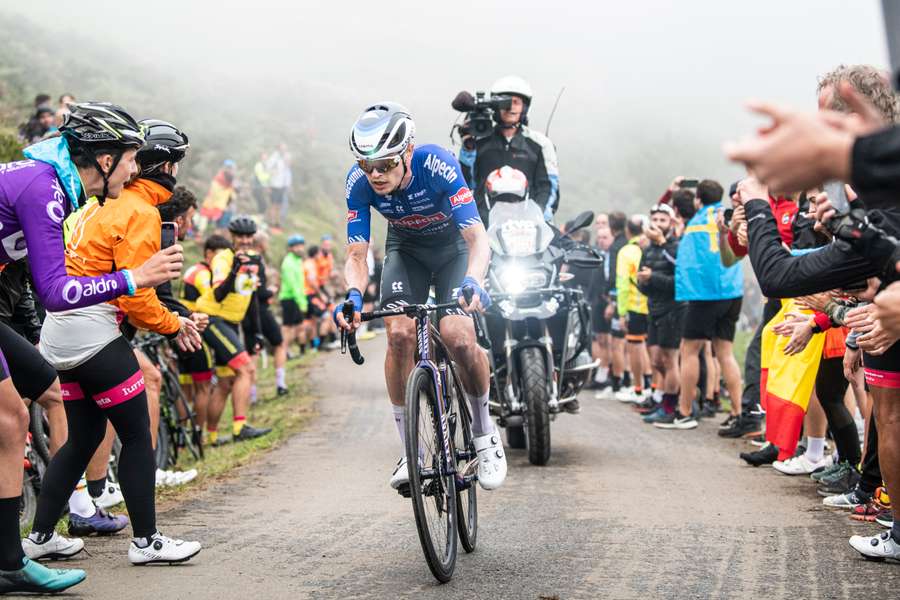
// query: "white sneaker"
[[800, 465], [848, 500], [491, 460], [112, 495], [876, 547], [401, 474], [629, 395], [605, 394], [55, 547], [173, 478], [162, 549]]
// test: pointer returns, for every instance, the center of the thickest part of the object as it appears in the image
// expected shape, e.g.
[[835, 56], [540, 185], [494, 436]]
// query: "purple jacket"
[[33, 206]]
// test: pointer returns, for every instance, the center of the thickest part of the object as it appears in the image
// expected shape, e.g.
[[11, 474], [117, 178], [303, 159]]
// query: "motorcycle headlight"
[[516, 280], [520, 238]]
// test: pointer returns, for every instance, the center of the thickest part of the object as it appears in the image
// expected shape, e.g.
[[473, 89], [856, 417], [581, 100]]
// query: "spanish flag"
[[787, 382]]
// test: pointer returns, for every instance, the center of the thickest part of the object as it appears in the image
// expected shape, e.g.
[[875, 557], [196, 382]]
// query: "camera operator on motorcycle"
[[434, 236], [514, 144]]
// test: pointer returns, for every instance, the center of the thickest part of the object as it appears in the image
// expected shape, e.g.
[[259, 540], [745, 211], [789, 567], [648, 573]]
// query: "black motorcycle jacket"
[[660, 288], [529, 151]]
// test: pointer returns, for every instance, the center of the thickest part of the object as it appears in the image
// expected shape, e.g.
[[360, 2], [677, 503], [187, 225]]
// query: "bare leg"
[[690, 373], [398, 363], [98, 467], [731, 372], [51, 401]]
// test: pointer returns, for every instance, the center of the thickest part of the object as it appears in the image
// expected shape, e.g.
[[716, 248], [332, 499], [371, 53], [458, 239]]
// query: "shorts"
[[665, 329], [225, 343], [196, 366], [410, 271], [31, 374], [291, 314], [278, 195], [599, 324], [615, 329], [711, 319], [271, 331], [316, 307], [883, 371], [109, 378], [636, 328]]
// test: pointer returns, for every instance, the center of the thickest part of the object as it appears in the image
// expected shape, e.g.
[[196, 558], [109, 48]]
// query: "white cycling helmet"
[[512, 85], [384, 129], [506, 185]]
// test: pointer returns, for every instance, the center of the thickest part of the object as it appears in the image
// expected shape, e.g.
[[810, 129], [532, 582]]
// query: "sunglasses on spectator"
[[383, 165]]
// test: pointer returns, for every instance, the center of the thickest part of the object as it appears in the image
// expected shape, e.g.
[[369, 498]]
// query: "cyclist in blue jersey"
[[435, 237]]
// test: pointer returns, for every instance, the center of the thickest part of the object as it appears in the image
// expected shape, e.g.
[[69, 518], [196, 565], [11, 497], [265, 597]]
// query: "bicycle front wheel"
[[466, 463], [432, 489]]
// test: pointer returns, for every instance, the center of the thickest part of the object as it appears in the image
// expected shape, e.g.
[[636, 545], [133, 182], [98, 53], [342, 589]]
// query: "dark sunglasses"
[[383, 165]]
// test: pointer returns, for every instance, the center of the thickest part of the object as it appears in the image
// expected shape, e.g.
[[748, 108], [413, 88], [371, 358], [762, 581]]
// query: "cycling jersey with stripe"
[[436, 198]]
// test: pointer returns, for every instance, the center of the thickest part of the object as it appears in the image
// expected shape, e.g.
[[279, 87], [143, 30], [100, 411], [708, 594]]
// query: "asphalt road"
[[622, 511]]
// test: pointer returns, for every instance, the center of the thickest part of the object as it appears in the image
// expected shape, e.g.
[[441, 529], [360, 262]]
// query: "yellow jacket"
[[629, 298]]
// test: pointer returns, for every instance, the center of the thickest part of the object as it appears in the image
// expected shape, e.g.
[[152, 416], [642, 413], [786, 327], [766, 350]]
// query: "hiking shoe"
[[50, 547], [678, 422], [741, 427], [801, 465], [764, 456], [101, 523], [659, 415], [38, 579], [834, 468], [248, 432], [837, 473], [847, 501], [162, 549], [845, 483], [876, 547]]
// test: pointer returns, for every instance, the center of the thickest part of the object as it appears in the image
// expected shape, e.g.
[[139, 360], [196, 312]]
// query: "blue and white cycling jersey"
[[436, 198]]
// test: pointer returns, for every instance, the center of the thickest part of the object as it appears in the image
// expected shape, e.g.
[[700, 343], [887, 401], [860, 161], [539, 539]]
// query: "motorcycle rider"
[[513, 144]]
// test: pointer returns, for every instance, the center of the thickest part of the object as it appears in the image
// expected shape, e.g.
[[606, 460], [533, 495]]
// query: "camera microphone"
[[464, 102]]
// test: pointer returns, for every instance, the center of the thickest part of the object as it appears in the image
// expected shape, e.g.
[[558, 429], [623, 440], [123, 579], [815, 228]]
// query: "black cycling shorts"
[[270, 329], [225, 342], [599, 323], [410, 270], [196, 366], [615, 327], [636, 327], [316, 307], [711, 319], [883, 371], [31, 374], [665, 329], [291, 314]]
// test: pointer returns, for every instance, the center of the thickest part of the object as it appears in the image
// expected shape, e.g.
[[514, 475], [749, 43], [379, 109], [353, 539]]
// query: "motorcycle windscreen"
[[518, 229]]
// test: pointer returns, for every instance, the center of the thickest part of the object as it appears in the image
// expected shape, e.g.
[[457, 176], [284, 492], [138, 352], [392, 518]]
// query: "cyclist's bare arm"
[[479, 251], [356, 272]]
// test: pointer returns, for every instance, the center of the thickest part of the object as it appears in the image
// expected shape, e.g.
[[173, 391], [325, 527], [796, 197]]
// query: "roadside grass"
[[286, 415]]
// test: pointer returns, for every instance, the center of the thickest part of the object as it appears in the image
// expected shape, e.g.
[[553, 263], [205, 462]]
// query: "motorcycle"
[[537, 331]]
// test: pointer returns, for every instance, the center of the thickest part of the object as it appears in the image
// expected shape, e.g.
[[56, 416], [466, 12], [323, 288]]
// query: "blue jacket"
[[699, 273]]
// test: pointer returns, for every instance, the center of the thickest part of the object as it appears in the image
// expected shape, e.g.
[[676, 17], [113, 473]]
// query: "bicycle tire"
[[163, 455], [40, 430], [184, 432], [439, 544], [463, 442]]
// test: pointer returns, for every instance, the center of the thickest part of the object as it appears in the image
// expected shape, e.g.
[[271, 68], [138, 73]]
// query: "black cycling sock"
[[648, 381], [616, 382], [95, 487], [332, 338], [626, 379], [302, 348], [895, 530], [11, 553]]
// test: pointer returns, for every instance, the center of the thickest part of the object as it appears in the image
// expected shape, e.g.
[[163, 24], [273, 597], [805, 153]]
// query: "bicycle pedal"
[[404, 490]]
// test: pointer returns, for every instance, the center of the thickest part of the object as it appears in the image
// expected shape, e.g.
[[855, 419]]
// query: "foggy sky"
[[669, 67]]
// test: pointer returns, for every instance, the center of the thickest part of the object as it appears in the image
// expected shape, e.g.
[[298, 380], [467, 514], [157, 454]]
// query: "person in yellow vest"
[[632, 308], [226, 302]]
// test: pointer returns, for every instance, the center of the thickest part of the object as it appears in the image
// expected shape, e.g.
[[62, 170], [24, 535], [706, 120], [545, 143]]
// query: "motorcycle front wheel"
[[536, 398]]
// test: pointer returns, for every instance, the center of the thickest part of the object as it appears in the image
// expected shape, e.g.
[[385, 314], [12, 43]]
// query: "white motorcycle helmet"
[[506, 185], [383, 130], [512, 85]]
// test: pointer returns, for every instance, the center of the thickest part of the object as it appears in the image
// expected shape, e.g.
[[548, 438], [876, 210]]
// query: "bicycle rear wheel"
[[466, 463], [432, 490], [187, 433]]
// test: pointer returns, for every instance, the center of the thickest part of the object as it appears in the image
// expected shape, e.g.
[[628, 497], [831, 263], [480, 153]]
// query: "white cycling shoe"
[[876, 547], [491, 460], [112, 495], [162, 549], [400, 477], [55, 547]]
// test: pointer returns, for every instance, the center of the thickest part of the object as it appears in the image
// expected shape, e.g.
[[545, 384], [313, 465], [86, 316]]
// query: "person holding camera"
[[512, 143]]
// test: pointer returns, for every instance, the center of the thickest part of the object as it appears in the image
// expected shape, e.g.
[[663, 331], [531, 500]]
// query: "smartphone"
[[729, 212], [689, 183], [169, 234], [837, 195]]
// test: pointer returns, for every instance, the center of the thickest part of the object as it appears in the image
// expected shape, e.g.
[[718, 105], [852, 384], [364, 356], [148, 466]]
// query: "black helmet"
[[93, 128], [242, 225], [164, 143]]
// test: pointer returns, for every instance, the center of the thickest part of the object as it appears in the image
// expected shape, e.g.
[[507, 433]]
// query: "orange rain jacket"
[[123, 234]]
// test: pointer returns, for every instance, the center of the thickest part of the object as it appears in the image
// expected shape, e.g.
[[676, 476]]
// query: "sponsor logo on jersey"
[[439, 167], [463, 196], [73, 291], [352, 215], [352, 179], [15, 166], [55, 209], [419, 221]]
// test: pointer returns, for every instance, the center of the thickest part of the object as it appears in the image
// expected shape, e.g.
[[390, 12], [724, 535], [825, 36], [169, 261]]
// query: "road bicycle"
[[440, 451]]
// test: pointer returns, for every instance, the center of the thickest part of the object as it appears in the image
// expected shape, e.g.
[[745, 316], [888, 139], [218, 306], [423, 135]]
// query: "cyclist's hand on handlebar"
[[159, 268], [188, 338], [342, 315], [472, 297]]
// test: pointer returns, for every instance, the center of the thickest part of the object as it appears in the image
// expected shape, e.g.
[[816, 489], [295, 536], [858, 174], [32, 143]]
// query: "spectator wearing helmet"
[[235, 277], [293, 294], [513, 144]]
